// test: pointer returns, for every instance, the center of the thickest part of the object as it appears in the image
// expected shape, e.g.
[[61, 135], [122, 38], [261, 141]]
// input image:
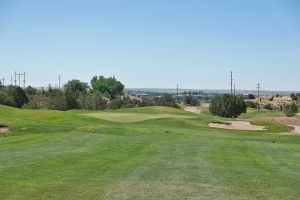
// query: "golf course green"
[[144, 153]]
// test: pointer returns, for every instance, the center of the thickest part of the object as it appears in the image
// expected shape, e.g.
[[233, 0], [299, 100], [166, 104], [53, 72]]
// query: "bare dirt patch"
[[192, 109], [237, 125], [3, 130]]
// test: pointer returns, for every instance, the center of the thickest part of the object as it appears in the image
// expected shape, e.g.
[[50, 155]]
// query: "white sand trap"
[[236, 125]]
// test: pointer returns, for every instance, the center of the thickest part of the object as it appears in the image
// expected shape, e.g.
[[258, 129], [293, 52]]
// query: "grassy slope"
[[66, 155]]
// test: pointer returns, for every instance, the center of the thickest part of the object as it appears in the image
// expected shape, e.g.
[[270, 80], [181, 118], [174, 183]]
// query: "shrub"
[[268, 106], [227, 106], [36, 104], [19, 97], [190, 100], [165, 100], [115, 104], [293, 96], [57, 101], [6, 99], [93, 101], [251, 104], [251, 96], [71, 99], [290, 110]]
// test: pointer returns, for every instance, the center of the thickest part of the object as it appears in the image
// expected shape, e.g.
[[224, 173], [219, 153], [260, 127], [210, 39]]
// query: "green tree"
[[19, 96], [227, 106], [250, 96], [31, 90], [76, 86], [108, 86], [293, 96], [290, 110]]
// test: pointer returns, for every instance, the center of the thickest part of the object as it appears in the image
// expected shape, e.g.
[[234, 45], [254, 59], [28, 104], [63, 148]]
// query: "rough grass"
[[66, 155]]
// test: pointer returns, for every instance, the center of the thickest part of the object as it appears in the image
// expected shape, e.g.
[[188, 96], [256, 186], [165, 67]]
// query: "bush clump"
[[251, 104], [290, 110], [191, 101], [227, 106]]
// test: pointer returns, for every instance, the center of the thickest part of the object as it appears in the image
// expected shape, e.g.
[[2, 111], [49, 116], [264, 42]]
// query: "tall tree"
[[109, 86], [76, 86]]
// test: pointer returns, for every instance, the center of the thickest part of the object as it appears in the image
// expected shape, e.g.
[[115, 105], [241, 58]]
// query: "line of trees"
[[104, 93]]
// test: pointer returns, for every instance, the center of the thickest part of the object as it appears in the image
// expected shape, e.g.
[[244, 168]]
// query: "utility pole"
[[59, 78], [258, 88], [231, 79], [177, 89], [19, 75]]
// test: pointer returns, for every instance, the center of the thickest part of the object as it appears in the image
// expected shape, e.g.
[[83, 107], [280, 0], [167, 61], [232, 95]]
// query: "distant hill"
[[214, 91]]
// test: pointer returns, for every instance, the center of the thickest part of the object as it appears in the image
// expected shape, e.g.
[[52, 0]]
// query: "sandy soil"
[[3, 130], [237, 125], [192, 109]]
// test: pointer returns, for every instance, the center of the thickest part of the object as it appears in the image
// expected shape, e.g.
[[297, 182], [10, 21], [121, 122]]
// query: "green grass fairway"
[[143, 153]]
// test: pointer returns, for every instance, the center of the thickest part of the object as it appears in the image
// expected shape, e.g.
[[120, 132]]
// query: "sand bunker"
[[3, 130], [296, 129], [236, 125], [192, 109]]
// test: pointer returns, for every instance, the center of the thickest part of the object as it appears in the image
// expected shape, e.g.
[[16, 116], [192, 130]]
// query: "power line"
[[19, 78]]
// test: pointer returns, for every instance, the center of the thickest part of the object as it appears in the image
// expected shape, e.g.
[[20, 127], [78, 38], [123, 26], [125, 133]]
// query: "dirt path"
[[237, 125]]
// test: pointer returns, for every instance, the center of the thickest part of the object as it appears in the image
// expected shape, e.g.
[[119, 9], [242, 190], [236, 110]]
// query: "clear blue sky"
[[154, 43]]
